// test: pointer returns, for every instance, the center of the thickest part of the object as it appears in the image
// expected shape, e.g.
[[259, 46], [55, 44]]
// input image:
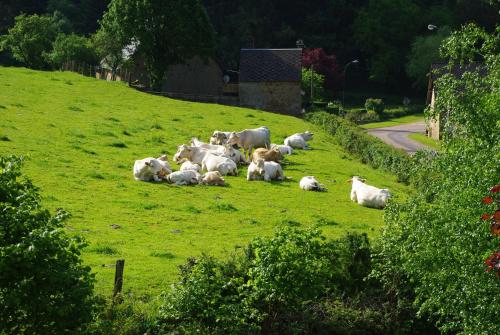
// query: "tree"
[[436, 243], [109, 44], [424, 52], [167, 32], [317, 80], [44, 287], [325, 65], [30, 38], [383, 30], [71, 48]]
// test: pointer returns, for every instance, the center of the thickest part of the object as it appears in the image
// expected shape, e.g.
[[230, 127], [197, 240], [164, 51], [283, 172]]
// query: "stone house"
[[436, 126], [270, 80]]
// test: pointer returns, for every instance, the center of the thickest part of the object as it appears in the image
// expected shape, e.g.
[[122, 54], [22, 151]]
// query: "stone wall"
[[280, 97], [195, 77]]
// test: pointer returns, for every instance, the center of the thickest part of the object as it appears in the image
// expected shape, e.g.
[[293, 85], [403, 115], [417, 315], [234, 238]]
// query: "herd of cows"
[[222, 156]]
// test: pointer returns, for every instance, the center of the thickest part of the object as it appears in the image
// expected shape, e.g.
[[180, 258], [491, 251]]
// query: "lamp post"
[[354, 61]]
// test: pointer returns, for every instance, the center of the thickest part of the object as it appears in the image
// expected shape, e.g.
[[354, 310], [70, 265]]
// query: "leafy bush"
[[436, 243], [375, 105], [369, 149], [288, 283], [71, 48], [44, 287], [30, 38]]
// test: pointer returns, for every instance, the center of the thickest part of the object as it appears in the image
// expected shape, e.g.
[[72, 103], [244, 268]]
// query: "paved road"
[[397, 136]]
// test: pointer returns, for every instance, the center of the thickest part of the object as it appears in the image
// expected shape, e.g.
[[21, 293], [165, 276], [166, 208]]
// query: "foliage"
[[375, 105], [72, 47], [437, 241], [424, 52], [44, 287], [109, 43], [125, 315], [317, 80], [30, 38], [287, 283], [167, 32], [382, 30], [369, 149], [324, 64]]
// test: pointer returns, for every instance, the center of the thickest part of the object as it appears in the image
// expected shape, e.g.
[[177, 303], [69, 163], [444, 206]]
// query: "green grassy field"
[[82, 136], [394, 122], [426, 140]]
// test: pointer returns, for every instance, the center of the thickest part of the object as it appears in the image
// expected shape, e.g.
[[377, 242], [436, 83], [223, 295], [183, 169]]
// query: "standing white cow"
[[150, 168], [222, 164], [265, 170], [250, 139], [299, 140], [366, 195], [309, 183]]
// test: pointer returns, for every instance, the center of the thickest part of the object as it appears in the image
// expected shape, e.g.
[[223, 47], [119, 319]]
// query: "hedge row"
[[369, 149]]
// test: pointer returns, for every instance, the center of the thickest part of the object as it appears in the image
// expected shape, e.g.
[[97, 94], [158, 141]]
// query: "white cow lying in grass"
[[222, 164], [284, 149], [150, 168], [226, 149], [195, 154], [250, 139], [299, 140], [187, 165], [186, 177], [309, 183], [265, 170], [368, 196]]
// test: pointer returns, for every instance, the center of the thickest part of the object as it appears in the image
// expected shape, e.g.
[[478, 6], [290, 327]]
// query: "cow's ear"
[[148, 163], [363, 180]]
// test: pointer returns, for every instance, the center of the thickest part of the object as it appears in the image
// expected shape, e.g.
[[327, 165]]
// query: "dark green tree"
[[424, 52], [384, 30], [30, 38], [167, 32], [72, 48], [44, 287]]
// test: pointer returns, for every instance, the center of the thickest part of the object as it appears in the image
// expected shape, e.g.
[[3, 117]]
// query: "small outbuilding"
[[270, 79], [436, 126]]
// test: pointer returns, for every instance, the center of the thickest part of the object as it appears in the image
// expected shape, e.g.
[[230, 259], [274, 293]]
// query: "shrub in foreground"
[[295, 282], [44, 287], [375, 105]]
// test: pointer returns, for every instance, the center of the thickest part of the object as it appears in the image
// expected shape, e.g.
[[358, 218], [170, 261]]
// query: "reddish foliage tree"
[[324, 64]]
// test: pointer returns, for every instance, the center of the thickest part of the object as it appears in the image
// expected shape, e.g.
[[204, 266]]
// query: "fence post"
[[120, 264]]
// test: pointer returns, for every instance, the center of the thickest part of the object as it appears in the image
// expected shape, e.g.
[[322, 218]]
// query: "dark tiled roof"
[[258, 65], [439, 69]]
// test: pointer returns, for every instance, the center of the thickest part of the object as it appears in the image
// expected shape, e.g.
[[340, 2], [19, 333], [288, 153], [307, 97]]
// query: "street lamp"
[[355, 61]]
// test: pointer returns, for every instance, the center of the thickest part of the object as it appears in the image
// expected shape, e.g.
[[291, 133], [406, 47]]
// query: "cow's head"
[[218, 137], [277, 153], [356, 178], [307, 135], [260, 166], [184, 152], [233, 139]]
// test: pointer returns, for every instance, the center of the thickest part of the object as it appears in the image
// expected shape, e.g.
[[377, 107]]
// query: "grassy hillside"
[[82, 136]]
